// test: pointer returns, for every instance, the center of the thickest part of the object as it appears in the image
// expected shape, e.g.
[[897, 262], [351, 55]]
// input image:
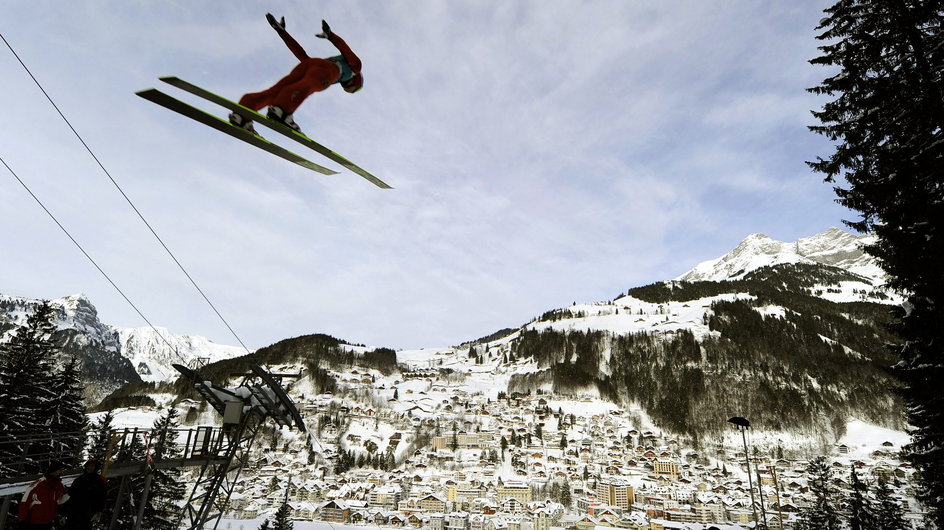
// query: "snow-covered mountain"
[[834, 247], [111, 356], [151, 352]]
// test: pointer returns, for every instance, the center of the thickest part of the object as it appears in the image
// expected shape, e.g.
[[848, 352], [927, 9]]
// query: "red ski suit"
[[41, 501], [309, 76]]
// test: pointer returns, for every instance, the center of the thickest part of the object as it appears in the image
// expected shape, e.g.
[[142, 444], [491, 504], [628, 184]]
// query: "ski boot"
[[278, 114], [239, 121]]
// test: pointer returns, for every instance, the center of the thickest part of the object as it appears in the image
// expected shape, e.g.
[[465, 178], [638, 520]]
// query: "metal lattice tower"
[[245, 410]]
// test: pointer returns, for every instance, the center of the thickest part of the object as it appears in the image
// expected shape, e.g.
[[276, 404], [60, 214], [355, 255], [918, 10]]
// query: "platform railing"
[[24, 455]]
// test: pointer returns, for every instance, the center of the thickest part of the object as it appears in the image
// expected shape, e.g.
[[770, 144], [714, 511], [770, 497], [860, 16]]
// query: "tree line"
[[862, 507], [43, 420], [752, 365]]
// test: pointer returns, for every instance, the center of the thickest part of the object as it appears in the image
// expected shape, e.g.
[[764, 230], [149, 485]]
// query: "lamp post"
[[743, 425]]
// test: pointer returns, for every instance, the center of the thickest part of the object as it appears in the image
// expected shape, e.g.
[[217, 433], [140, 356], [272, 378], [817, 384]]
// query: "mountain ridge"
[[833, 247]]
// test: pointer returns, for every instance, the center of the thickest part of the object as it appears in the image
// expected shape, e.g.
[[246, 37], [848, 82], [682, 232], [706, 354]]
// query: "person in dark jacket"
[[86, 498], [310, 75], [40, 503]]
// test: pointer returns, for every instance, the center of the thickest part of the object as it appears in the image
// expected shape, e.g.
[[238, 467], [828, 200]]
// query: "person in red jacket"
[[311, 75], [41, 501]]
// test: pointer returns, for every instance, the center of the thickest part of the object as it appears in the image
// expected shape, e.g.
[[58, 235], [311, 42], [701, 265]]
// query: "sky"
[[542, 153]]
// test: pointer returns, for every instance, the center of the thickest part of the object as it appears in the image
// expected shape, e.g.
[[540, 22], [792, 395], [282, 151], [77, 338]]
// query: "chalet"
[[336, 511], [379, 518], [511, 505], [303, 510], [457, 521]]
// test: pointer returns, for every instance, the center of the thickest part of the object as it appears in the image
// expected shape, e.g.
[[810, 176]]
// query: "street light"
[[743, 425]]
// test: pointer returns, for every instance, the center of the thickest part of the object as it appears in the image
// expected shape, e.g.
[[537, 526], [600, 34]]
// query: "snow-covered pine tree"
[[264, 525], [101, 436], [889, 514], [861, 510], [167, 490], [566, 497], [823, 511], [68, 422], [887, 123], [554, 491], [26, 382], [282, 519]]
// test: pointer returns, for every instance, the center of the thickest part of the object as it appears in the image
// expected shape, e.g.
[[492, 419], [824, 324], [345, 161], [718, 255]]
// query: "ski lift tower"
[[244, 409]]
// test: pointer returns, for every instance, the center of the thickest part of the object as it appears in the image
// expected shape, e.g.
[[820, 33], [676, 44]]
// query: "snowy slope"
[[834, 247], [631, 315]]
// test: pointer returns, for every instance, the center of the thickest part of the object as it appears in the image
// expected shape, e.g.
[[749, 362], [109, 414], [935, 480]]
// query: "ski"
[[275, 126], [222, 125]]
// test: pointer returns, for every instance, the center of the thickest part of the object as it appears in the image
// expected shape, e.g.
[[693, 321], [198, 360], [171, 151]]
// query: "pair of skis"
[[225, 126]]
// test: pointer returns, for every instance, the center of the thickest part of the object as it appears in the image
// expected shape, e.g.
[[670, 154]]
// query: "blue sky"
[[542, 153]]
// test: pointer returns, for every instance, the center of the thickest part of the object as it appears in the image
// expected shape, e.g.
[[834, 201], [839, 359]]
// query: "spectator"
[[40, 503], [86, 498]]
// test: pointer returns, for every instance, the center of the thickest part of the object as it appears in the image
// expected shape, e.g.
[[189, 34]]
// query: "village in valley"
[[443, 449]]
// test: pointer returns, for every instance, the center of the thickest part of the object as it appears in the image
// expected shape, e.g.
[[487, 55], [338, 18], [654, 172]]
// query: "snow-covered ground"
[[863, 439]]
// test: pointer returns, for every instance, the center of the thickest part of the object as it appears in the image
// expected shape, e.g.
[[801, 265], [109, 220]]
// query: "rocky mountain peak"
[[833, 247]]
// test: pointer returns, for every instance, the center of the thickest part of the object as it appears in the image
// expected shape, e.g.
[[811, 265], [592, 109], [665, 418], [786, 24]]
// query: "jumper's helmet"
[[353, 84]]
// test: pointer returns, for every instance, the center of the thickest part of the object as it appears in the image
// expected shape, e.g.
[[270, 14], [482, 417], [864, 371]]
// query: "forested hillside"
[[787, 359]]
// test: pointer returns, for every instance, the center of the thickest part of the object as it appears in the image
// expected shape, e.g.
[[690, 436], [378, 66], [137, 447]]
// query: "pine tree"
[[822, 513], [887, 123], [101, 436], [167, 490], [861, 511], [566, 497], [283, 519], [68, 422], [264, 525], [889, 515], [26, 382]]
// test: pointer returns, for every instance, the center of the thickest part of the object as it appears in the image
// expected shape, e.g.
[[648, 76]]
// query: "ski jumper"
[[309, 76]]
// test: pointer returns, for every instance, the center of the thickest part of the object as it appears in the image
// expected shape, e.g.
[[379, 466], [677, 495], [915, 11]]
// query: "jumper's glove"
[[325, 30], [277, 25]]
